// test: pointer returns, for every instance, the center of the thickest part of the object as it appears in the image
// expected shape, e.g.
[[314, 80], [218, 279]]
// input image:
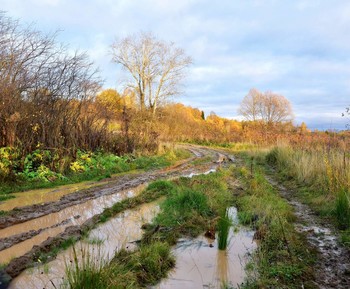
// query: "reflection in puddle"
[[110, 237], [199, 263], [191, 175], [85, 211]]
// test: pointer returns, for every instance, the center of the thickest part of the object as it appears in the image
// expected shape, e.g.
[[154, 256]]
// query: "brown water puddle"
[[76, 214], [110, 236], [48, 195], [200, 264]]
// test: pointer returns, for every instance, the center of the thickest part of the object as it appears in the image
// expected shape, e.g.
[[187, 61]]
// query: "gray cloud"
[[298, 48]]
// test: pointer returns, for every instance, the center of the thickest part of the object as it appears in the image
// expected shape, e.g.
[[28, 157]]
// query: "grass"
[[127, 270], [321, 178], [342, 210], [94, 241], [86, 272], [232, 146], [282, 260], [188, 210], [224, 225]]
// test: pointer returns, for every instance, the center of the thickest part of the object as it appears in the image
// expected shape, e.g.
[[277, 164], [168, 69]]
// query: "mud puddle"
[[45, 195], [333, 264], [200, 264], [76, 214], [101, 244]]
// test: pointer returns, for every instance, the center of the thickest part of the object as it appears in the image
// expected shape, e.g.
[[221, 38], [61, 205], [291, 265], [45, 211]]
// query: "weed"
[[223, 229]]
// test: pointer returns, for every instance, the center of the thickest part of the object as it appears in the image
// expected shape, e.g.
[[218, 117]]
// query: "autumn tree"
[[266, 107], [111, 101], [156, 68]]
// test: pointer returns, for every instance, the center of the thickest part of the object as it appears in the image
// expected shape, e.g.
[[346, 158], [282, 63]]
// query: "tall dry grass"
[[325, 169]]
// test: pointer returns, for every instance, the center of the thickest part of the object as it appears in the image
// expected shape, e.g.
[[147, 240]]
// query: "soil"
[[333, 262]]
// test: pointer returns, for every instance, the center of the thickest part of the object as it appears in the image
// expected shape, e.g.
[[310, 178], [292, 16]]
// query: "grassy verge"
[[188, 210], [232, 146], [87, 168], [319, 178], [282, 260]]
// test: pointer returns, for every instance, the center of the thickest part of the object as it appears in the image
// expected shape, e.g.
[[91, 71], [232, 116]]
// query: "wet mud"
[[333, 264]]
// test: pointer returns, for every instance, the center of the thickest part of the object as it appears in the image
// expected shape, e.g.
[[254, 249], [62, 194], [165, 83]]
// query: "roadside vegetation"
[[320, 177], [44, 168], [282, 259]]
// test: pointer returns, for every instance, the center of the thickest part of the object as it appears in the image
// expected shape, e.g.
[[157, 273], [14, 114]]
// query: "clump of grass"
[[85, 272], [181, 206], [137, 269], [150, 263], [342, 210], [223, 227]]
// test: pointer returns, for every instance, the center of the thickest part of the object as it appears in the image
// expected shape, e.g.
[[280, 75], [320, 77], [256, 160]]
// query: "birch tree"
[[156, 68]]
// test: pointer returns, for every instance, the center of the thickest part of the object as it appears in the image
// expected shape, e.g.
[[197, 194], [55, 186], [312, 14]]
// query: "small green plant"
[[223, 227]]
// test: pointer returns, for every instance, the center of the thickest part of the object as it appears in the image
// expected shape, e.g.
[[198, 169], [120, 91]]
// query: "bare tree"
[[156, 67], [251, 105], [267, 107], [44, 89]]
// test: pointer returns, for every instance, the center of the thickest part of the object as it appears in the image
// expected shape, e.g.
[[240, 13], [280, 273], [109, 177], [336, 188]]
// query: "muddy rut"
[[26, 232], [333, 264]]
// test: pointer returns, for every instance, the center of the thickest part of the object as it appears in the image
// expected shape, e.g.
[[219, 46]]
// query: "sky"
[[297, 48]]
